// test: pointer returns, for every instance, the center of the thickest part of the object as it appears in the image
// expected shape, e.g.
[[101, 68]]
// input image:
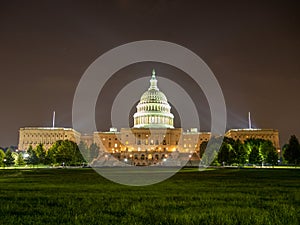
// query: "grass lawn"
[[81, 196]]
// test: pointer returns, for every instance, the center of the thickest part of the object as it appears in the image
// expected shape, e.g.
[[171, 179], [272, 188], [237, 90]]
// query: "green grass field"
[[81, 196]]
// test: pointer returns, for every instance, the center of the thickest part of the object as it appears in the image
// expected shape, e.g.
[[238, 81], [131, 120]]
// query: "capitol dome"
[[153, 110]]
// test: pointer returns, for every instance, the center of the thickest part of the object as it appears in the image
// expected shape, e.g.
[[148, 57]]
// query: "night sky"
[[253, 48]]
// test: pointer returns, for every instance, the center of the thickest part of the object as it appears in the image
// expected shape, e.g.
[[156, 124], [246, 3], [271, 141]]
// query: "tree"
[[283, 160], [65, 152], [255, 157], [94, 151], [2, 156], [261, 150], [269, 152], [210, 157], [292, 151], [241, 153], [202, 148], [272, 158], [40, 153], [84, 150], [265, 147], [15, 156], [78, 157], [9, 159], [50, 157], [224, 152], [223, 155], [32, 158], [20, 160]]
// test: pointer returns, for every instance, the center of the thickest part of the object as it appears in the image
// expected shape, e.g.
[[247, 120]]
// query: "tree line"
[[251, 151], [62, 152], [232, 152]]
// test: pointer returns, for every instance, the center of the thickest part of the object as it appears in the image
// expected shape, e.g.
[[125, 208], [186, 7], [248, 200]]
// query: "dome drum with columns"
[[153, 110]]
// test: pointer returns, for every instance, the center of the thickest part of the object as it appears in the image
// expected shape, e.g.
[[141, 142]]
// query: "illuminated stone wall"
[[141, 147], [44, 135], [266, 134]]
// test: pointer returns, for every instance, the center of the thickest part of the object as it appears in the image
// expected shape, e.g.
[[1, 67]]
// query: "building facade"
[[153, 137], [266, 134], [33, 136], [152, 140]]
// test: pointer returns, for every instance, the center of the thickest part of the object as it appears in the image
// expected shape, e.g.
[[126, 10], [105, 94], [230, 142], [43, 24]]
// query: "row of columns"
[[153, 120], [153, 108]]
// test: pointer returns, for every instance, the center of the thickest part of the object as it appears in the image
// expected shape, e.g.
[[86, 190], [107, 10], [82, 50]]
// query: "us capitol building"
[[151, 140]]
